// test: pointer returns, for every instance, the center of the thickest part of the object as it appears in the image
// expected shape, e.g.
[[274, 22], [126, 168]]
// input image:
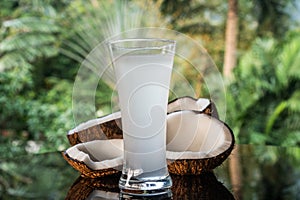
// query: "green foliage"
[[43, 43], [273, 16], [263, 100], [44, 176], [203, 20], [35, 104]]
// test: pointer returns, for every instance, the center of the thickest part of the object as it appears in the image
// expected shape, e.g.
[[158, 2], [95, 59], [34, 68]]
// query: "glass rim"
[[163, 43]]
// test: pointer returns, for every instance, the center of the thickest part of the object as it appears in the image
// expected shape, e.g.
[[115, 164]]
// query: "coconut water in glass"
[[143, 71]]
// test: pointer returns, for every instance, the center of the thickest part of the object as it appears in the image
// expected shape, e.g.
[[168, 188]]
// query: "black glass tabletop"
[[251, 172]]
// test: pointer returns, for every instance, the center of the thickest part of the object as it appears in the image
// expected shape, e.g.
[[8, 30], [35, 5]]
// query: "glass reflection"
[[204, 186], [268, 172]]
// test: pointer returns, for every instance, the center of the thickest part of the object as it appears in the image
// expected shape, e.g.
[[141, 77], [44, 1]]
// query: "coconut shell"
[[109, 128], [86, 171], [201, 105], [211, 110], [197, 166], [194, 157]]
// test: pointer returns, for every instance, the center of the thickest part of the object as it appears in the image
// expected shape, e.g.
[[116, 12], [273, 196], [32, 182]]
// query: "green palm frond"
[[99, 22], [274, 116], [24, 41], [294, 71], [289, 61], [29, 38], [32, 24], [11, 60], [266, 93], [291, 139], [294, 102]]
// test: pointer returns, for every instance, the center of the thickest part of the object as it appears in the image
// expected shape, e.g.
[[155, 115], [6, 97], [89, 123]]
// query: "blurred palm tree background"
[[42, 44], [256, 44]]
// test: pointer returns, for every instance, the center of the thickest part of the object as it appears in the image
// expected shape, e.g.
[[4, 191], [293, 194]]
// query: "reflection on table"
[[267, 172], [204, 186]]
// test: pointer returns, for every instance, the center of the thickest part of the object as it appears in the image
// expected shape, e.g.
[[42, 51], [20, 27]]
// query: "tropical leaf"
[[293, 102], [291, 139], [289, 61], [12, 60], [24, 41], [265, 95], [28, 38], [98, 24], [273, 117], [32, 24]]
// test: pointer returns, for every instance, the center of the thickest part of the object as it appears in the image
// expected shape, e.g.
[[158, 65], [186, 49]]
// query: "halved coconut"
[[201, 105], [196, 142], [107, 127], [96, 158], [110, 126]]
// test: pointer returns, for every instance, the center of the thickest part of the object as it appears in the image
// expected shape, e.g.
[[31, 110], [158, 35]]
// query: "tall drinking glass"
[[143, 71]]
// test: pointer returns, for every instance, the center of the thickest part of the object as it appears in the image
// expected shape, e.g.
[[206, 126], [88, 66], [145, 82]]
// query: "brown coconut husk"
[[197, 166], [96, 158], [86, 171], [108, 128]]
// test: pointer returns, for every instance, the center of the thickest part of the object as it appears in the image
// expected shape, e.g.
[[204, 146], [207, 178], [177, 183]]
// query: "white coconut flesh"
[[183, 103], [98, 154], [192, 135], [94, 122], [188, 103]]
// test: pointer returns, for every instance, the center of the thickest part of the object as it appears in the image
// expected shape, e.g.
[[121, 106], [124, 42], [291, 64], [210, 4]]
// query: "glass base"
[[164, 196], [145, 186]]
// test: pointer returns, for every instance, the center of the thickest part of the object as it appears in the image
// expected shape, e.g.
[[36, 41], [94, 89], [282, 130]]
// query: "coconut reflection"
[[95, 188], [203, 186]]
